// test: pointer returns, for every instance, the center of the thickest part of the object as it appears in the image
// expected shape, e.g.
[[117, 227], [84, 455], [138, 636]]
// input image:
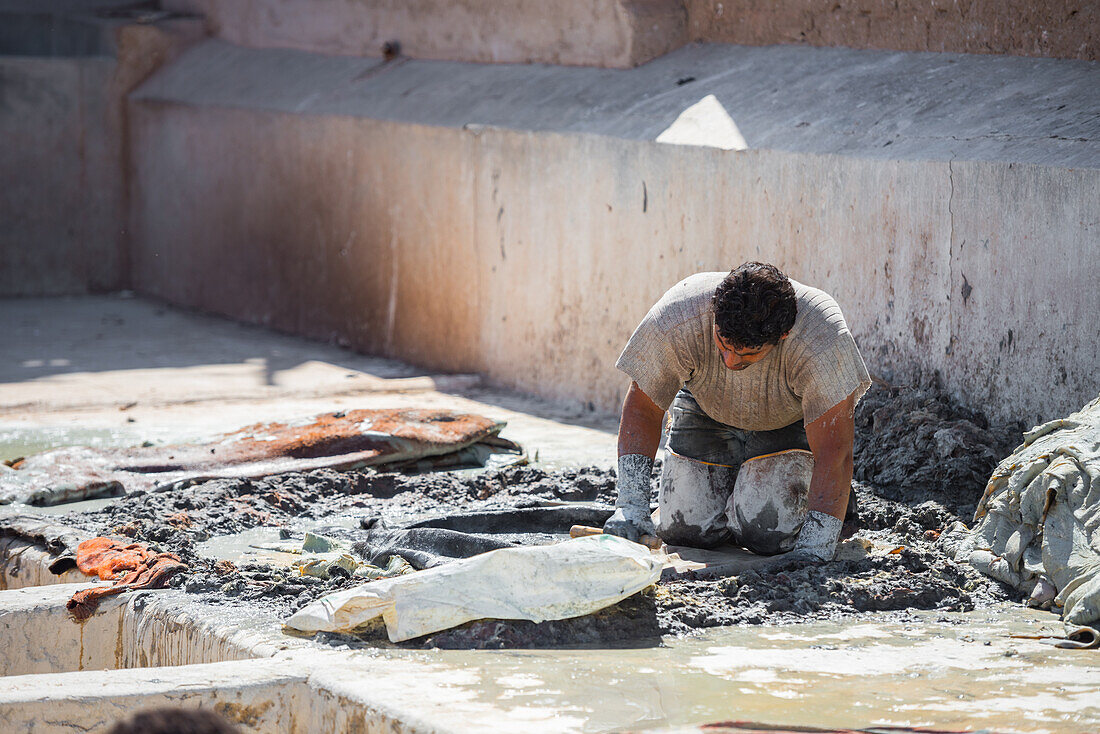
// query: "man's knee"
[[677, 531], [769, 501], [692, 499]]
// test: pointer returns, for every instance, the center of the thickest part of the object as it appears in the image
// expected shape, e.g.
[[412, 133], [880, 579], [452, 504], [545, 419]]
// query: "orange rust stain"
[[356, 431]]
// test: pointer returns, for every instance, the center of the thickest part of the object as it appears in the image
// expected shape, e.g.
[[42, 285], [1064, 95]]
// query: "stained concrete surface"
[[947, 202]]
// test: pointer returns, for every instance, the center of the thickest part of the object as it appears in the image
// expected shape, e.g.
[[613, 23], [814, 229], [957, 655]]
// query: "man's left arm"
[[830, 438]]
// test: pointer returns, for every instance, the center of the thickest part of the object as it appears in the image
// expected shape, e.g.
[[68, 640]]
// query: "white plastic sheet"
[[537, 583]]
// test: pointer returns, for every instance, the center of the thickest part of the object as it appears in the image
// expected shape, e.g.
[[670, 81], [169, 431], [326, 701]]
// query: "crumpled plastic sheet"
[[1038, 523], [537, 583], [342, 440]]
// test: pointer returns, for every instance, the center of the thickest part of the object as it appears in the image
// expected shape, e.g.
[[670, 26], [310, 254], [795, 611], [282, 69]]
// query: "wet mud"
[[915, 446], [921, 463]]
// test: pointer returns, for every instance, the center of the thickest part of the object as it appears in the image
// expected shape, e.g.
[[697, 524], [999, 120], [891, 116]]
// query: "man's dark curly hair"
[[754, 305], [170, 720]]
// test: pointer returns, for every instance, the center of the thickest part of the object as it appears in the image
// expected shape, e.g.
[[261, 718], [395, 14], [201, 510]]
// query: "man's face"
[[738, 358]]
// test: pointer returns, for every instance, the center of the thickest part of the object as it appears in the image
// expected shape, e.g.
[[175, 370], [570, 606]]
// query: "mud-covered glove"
[[631, 519], [818, 537]]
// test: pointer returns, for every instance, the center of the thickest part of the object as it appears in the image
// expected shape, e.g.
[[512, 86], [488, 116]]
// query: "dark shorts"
[[698, 506], [694, 434]]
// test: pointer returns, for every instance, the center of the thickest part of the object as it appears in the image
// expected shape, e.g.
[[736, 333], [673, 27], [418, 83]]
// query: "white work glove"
[[818, 537], [816, 543], [631, 519]]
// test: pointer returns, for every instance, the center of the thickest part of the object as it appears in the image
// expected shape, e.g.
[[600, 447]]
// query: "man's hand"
[[818, 537], [631, 519]]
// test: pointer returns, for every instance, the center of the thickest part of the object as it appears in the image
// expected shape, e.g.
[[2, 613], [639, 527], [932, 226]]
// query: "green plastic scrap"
[[321, 544]]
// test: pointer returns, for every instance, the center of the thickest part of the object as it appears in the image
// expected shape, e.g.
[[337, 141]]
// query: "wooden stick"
[[579, 531]]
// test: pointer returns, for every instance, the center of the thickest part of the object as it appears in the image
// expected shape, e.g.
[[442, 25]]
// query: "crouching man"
[[761, 377]]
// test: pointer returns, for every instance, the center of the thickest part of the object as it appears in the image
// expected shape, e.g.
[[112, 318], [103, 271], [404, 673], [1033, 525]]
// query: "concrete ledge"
[[264, 696], [24, 564], [38, 635], [867, 104], [131, 630]]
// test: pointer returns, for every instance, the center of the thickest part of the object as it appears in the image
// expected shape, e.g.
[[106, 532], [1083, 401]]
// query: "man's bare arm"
[[640, 425], [830, 438]]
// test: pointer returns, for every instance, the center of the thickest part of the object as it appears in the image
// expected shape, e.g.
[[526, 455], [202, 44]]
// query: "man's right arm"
[[640, 424], [639, 436]]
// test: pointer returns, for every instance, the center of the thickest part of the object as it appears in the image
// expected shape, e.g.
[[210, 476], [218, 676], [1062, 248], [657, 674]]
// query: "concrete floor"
[[114, 371], [111, 370]]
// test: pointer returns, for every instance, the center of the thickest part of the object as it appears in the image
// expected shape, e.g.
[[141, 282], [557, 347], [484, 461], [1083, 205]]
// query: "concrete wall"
[[624, 33], [612, 33], [63, 158], [61, 202], [1068, 29], [530, 255]]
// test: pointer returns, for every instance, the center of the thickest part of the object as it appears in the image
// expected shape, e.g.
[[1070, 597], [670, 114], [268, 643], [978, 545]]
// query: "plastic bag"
[[568, 579]]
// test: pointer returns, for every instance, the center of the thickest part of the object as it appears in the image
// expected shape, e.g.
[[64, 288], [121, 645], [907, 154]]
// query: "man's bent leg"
[[769, 501], [692, 500], [768, 505], [700, 466]]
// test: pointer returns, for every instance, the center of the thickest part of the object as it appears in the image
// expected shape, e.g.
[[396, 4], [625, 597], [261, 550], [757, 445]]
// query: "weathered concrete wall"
[[63, 163], [1068, 29], [530, 255], [613, 33], [624, 33], [61, 202]]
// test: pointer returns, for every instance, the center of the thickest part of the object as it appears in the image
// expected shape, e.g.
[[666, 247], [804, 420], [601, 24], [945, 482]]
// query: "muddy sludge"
[[921, 464]]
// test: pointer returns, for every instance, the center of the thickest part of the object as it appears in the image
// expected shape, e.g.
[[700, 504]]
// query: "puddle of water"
[[17, 508], [238, 547], [933, 674], [17, 441]]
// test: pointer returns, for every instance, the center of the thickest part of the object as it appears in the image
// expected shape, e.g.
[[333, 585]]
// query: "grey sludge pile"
[[1037, 526]]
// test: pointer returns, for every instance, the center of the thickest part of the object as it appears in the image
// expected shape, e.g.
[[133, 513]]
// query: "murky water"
[[965, 676], [238, 547], [17, 441]]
